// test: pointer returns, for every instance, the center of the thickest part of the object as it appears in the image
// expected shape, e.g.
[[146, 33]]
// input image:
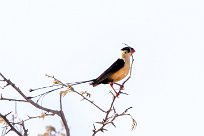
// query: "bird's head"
[[127, 51]]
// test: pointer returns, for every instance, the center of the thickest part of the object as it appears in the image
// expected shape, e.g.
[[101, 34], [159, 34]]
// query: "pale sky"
[[76, 40]]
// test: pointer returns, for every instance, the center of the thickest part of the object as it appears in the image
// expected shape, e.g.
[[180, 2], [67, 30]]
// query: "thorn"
[[113, 124], [29, 97], [94, 127], [8, 114], [31, 90], [114, 109], [99, 122], [102, 130], [127, 110], [122, 93]]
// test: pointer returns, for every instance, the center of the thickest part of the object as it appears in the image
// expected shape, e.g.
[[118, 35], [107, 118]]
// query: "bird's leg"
[[114, 90], [121, 86]]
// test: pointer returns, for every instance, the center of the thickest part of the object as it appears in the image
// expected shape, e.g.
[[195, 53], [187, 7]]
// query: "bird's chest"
[[120, 74]]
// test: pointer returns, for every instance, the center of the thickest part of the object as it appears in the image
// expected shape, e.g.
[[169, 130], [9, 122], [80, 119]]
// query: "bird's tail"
[[72, 84], [81, 82], [94, 83]]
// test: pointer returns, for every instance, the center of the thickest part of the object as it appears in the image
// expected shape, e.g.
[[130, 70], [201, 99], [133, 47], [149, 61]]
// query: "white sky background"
[[77, 40]]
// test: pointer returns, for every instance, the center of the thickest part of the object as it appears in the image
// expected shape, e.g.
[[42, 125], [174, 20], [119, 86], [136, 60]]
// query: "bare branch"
[[28, 99], [24, 129], [9, 99], [73, 90], [60, 102], [65, 123], [12, 128], [84, 98]]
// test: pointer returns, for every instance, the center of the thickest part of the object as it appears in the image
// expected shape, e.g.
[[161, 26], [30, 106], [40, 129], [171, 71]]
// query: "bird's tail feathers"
[[72, 84], [94, 83], [81, 82]]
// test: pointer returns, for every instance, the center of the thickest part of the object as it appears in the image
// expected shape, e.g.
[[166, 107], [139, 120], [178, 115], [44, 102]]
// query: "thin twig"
[[60, 102], [9, 124], [72, 89], [9, 99], [24, 129], [65, 123], [84, 98]]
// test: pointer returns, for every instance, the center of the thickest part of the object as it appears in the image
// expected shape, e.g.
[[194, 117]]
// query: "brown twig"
[[63, 116], [73, 90], [24, 129], [9, 99], [84, 98], [12, 128], [34, 117]]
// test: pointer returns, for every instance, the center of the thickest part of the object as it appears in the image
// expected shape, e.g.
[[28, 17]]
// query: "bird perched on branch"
[[117, 71]]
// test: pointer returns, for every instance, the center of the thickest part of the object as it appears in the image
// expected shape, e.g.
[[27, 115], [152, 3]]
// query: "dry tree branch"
[[73, 90], [26, 98], [10, 99], [34, 117], [63, 117], [24, 129], [12, 128], [85, 98], [60, 113]]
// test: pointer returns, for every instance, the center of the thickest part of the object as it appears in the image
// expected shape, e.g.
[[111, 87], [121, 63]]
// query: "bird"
[[117, 71]]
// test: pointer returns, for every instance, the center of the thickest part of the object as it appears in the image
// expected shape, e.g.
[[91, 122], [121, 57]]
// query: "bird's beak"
[[132, 50]]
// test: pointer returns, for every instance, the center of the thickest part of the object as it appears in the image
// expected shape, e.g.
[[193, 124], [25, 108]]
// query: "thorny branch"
[[10, 99], [71, 89], [60, 113], [12, 128]]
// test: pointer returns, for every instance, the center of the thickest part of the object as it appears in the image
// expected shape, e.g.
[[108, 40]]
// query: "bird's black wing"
[[117, 65]]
